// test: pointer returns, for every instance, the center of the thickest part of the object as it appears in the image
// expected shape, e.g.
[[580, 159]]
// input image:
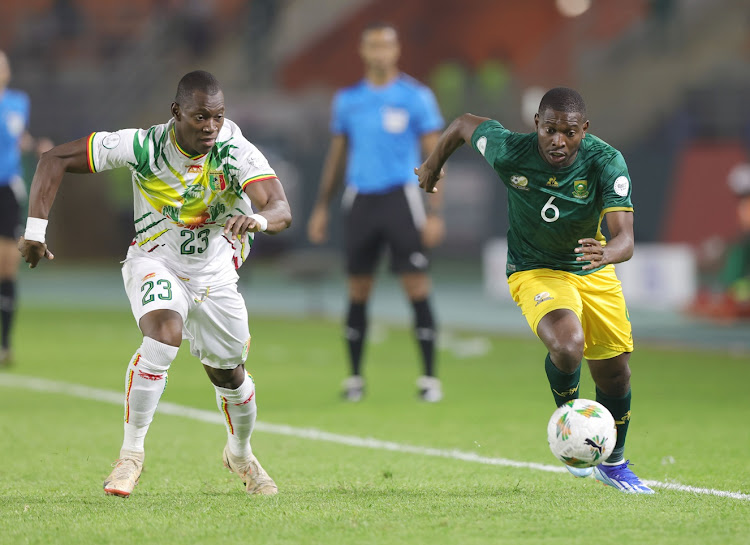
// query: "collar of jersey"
[[186, 154]]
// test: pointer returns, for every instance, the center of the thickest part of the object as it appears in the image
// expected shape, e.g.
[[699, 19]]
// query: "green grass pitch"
[[690, 426]]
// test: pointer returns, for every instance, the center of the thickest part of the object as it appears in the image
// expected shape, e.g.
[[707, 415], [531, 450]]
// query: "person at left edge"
[[14, 140]]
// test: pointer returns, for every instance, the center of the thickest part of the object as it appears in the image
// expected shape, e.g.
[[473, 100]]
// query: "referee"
[[379, 127], [14, 139]]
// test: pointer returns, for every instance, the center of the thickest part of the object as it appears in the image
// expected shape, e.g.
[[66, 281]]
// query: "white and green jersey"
[[183, 201]]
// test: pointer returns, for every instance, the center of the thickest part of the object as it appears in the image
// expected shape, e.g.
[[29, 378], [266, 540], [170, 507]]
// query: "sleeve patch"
[[482, 144], [621, 186]]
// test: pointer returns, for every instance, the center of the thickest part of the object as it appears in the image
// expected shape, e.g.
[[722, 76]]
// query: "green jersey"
[[551, 209]]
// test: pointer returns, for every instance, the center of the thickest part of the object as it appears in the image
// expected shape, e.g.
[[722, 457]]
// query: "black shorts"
[[10, 214], [390, 220]]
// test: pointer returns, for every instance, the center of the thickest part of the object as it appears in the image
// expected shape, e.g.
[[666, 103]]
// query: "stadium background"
[[665, 81]]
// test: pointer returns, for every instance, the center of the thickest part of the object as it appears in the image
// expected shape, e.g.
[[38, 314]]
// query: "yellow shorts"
[[596, 299]]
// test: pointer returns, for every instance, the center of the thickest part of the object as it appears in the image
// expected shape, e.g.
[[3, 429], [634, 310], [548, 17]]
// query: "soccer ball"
[[581, 433]]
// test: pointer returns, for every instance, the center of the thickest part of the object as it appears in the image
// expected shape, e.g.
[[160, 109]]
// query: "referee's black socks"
[[356, 331], [425, 331]]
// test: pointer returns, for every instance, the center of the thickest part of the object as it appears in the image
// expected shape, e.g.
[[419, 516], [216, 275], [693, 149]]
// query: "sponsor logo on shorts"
[[419, 260], [542, 297]]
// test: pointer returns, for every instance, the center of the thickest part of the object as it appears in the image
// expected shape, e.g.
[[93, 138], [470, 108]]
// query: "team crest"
[[216, 181], [552, 182], [581, 189], [519, 182]]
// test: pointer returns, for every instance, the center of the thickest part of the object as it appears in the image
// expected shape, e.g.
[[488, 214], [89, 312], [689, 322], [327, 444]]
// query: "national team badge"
[[552, 182], [216, 181], [580, 189]]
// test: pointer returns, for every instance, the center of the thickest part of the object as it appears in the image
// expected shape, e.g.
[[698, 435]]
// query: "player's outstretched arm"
[[619, 248], [68, 157], [330, 180], [457, 133], [273, 213]]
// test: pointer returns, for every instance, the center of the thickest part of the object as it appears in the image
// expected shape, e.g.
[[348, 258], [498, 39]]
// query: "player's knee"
[[156, 356], [567, 352], [230, 379]]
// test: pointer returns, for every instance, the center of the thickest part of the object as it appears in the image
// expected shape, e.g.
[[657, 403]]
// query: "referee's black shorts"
[[376, 222], [10, 214]]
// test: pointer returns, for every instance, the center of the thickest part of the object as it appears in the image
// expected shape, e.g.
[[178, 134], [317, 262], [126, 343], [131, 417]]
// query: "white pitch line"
[[213, 417]]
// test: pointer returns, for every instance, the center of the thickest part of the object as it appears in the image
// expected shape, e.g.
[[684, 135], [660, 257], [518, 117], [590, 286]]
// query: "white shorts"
[[214, 319]]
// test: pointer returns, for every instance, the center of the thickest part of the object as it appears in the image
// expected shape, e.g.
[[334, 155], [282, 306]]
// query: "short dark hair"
[[199, 80], [563, 99], [378, 25]]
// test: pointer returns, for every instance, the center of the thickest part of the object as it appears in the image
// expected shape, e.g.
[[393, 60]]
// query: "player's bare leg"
[[417, 286], [360, 287], [235, 397], [145, 380]]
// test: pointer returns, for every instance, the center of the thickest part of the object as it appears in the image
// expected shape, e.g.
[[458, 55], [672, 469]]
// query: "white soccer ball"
[[581, 433]]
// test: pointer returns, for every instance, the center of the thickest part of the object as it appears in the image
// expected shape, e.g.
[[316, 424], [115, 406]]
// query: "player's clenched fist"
[[237, 226], [428, 177], [32, 251]]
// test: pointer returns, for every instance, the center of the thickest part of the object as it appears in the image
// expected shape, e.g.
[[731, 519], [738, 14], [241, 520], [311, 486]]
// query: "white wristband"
[[263, 222], [35, 229]]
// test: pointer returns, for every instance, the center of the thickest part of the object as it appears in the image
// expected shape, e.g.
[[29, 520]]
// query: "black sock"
[[564, 386], [426, 332], [620, 409], [356, 330], [7, 309]]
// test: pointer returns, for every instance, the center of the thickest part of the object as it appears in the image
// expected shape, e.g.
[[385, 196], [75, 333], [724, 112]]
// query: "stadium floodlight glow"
[[572, 8]]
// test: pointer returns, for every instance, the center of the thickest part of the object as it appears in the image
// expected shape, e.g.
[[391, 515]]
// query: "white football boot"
[[256, 480], [125, 475]]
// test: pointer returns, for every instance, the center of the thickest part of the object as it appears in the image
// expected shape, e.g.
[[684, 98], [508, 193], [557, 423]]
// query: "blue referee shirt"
[[14, 116], [383, 126]]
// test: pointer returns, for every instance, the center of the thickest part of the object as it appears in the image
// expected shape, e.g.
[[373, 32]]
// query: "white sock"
[[145, 381], [239, 410]]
